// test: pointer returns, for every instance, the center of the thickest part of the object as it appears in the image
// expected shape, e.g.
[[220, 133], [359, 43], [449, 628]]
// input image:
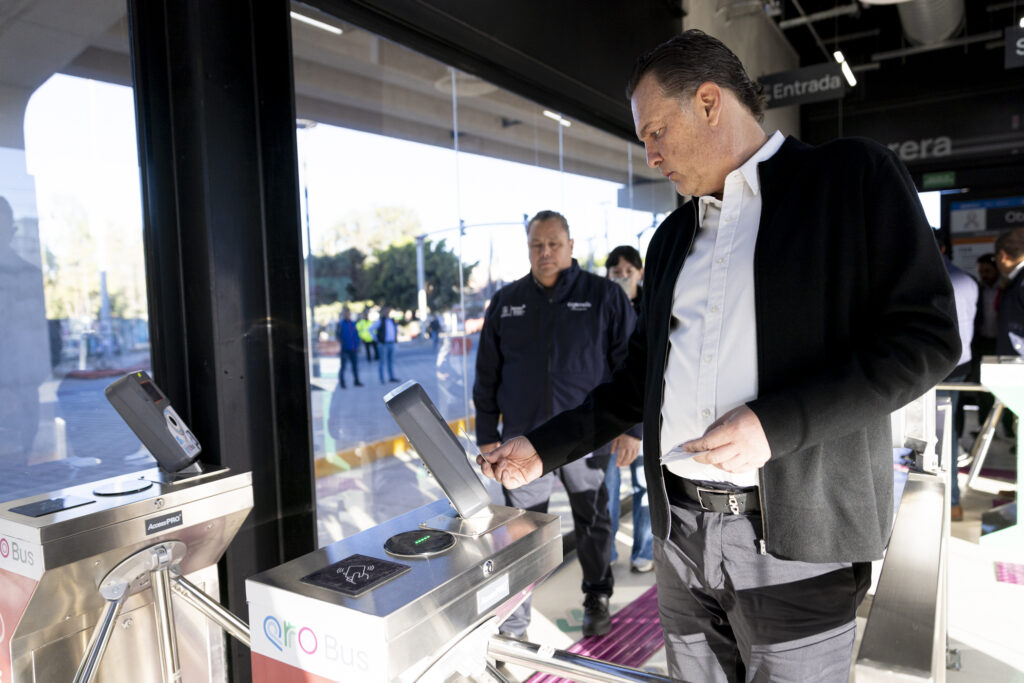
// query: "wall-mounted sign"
[[987, 215], [938, 180], [1013, 39], [810, 84]]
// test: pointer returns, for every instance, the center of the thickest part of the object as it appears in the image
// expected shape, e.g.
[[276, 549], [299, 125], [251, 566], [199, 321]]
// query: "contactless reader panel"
[[150, 415]]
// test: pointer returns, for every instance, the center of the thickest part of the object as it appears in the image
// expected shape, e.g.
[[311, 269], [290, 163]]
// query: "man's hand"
[[625, 448], [734, 442], [488, 447], [513, 464]]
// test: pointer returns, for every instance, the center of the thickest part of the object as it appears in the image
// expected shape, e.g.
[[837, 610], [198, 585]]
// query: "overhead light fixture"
[[1021, 22], [845, 67], [558, 117], [315, 22]]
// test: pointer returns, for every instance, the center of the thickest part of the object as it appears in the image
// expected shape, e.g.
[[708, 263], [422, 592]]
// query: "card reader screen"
[[356, 574], [151, 391]]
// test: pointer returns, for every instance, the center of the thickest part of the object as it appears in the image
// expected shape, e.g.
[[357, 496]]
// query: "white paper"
[[677, 454]]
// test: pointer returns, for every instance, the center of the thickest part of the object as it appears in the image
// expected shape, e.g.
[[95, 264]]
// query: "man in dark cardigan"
[[791, 305]]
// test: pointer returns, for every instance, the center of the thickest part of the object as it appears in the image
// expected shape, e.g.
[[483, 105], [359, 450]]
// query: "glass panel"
[[401, 156], [72, 279]]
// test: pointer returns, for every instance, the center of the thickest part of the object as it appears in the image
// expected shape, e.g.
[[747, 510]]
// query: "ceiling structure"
[[885, 41], [912, 51]]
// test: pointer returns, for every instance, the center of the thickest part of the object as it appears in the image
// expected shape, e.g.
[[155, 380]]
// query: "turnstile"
[[436, 610], [68, 556]]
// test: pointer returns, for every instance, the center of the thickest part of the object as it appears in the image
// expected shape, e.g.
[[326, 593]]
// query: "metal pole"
[[421, 281], [561, 663], [980, 448], [212, 610], [90, 663], [160, 579]]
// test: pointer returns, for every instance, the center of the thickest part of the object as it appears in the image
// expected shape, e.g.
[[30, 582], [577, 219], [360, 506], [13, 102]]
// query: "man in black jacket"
[[790, 306], [548, 339]]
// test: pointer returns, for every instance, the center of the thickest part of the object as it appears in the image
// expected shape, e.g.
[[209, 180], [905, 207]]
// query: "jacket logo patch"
[[513, 311], [578, 305]]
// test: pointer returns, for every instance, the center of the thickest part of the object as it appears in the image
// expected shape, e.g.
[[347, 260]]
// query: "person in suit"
[[1009, 250]]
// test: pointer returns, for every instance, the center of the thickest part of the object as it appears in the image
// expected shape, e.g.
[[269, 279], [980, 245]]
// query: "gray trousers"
[[731, 614], [583, 480]]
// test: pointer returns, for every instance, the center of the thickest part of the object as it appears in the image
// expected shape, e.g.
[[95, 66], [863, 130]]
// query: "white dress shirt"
[[712, 356]]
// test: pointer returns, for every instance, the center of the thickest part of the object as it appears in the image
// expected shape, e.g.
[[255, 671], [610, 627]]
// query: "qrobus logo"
[[289, 635], [286, 636], [16, 553]]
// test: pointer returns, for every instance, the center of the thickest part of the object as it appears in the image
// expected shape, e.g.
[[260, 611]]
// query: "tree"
[[370, 230], [392, 276], [339, 277]]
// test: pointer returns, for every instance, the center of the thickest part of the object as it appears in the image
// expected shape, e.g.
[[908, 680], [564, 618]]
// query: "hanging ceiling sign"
[[810, 84], [1013, 38]]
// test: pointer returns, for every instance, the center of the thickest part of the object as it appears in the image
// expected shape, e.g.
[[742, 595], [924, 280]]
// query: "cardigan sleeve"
[[607, 411]]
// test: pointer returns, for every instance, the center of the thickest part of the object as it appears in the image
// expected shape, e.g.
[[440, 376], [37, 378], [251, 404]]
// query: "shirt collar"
[[748, 171], [1016, 271]]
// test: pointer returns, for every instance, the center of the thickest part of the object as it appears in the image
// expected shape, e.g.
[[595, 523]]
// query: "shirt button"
[[714, 309], [720, 261], [708, 358], [705, 413]]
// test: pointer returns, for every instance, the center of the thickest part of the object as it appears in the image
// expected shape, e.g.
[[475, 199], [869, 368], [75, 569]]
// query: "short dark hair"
[[624, 253], [545, 216], [1012, 242], [680, 65], [990, 259]]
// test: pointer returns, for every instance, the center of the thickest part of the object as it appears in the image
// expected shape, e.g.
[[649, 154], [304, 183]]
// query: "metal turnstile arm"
[[90, 663], [576, 667], [211, 609], [980, 448]]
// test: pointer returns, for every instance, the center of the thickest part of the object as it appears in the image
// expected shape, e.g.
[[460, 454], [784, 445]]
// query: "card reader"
[[150, 415]]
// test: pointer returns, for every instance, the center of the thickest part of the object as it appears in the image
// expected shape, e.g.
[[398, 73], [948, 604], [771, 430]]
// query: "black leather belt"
[[686, 493]]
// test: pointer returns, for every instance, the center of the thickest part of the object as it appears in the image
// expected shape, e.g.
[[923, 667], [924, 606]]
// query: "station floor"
[[986, 616]]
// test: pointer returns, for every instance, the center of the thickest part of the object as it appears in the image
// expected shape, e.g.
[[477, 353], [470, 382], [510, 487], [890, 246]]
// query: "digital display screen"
[[151, 391]]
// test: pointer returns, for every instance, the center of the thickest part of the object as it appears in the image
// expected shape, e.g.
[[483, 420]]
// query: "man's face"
[[550, 250], [676, 139], [988, 273], [624, 270], [1005, 263]]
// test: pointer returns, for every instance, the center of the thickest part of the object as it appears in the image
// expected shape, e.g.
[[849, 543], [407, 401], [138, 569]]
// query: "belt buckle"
[[733, 501]]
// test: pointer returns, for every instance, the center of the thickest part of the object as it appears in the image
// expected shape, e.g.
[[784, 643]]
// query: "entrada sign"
[[801, 86]]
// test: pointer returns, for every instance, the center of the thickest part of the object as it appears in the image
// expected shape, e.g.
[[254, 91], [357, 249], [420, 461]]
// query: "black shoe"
[[395, 379], [342, 385], [597, 621], [359, 384]]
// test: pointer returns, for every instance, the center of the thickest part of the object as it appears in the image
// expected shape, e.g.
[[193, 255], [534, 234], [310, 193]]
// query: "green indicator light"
[[421, 539]]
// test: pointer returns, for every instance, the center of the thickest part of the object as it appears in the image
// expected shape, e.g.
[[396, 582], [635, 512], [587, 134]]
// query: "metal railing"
[[905, 634]]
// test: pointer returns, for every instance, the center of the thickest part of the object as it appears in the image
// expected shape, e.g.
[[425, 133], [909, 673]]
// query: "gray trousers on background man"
[[731, 614], [583, 480]]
